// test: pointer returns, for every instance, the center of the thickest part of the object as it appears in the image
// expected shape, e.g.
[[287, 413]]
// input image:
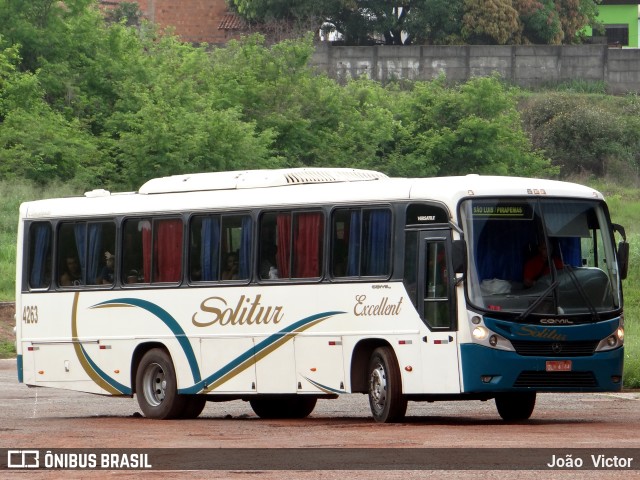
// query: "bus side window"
[[436, 295], [100, 253], [40, 245], [306, 248], [166, 251], [365, 247], [204, 249], [268, 247], [220, 248], [291, 245], [134, 233], [71, 246], [236, 246]]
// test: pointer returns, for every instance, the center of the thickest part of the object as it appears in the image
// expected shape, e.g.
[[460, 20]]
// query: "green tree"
[[586, 135], [474, 128], [438, 23], [540, 21], [490, 22], [36, 142], [432, 21]]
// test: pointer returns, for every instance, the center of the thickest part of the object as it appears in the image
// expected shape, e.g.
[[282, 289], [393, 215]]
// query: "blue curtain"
[[571, 251], [80, 231], [95, 253], [353, 255], [502, 248], [378, 243], [42, 234], [244, 267], [210, 249]]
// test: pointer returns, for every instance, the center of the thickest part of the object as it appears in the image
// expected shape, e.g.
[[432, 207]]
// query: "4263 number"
[[30, 314]]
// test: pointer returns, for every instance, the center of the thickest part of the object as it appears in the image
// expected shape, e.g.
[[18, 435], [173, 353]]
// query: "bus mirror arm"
[[623, 251]]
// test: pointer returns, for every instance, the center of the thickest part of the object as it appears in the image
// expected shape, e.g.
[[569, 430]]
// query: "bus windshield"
[[541, 256]]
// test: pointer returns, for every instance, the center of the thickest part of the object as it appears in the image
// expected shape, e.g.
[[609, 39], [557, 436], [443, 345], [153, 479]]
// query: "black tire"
[[516, 406], [194, 404], [289, 406], [156, 386], [385, 387]]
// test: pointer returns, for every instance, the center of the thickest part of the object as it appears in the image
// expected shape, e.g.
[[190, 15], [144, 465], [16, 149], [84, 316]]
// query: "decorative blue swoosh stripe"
[[114, 383], [323, 387], [253, 354], [240, 363], [169, 321]]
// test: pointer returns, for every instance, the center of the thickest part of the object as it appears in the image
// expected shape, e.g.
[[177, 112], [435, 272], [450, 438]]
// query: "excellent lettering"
[[383, 307]]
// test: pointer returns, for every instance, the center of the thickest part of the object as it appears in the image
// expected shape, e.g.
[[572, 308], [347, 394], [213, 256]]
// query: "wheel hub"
[[378, 387]]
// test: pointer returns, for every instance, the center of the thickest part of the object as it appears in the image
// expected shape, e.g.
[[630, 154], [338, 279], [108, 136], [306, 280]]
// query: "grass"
[[7, 349], [624, 206], [12, 195]]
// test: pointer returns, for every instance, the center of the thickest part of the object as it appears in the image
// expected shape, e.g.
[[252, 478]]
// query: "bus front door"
[[428, 269]]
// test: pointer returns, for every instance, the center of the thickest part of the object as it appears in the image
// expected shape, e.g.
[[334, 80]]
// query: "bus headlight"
[[615, 340], [480, 332]]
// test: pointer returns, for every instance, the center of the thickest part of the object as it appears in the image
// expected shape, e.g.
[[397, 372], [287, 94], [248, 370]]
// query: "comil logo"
[[23, 459]]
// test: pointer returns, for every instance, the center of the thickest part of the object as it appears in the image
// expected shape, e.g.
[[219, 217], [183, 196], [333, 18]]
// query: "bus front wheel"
[[385, 387], [515, 406], [157, 386]]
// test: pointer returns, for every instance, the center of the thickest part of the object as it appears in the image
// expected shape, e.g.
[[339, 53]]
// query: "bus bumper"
[[491, 370]]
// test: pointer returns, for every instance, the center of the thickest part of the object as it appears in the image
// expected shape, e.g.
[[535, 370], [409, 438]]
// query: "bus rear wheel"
[[289, 406], [515, 406], [157, 387], [385, 387]]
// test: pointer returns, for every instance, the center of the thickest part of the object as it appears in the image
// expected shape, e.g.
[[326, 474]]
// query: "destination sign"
[[511, 210]]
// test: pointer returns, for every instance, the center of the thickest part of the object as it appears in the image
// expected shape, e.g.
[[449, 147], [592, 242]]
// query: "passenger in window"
[[231, 268], [268, 269], [106, 276], [72, 273], [538, 266], [132, 276]]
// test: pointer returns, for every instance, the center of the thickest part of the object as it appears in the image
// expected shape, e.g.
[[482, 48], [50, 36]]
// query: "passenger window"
[[40, 246], [152, 251], [220, 248], [85, 252], [361, 242], [291, 245]]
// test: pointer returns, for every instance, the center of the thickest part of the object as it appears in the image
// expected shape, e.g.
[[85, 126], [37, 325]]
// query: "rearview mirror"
[[459, 256]]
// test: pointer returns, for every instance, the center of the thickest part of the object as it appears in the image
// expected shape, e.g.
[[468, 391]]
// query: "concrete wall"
[[524, 65]]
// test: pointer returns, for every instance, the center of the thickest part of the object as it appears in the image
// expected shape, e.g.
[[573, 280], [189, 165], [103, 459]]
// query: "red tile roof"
[[231, 21]]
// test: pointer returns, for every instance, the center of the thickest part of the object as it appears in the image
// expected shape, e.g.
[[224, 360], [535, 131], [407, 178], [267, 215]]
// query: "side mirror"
[[623, 259], [623, 251], [459, 256]]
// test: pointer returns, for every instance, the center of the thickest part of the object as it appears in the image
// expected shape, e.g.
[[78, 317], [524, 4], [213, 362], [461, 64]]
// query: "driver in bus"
[[538, 266]]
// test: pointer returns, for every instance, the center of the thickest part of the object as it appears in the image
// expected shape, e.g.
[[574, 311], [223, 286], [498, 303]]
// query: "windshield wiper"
[[539, 300], [583, 294]]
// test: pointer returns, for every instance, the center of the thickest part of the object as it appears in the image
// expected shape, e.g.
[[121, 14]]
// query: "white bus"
[[280, 287]]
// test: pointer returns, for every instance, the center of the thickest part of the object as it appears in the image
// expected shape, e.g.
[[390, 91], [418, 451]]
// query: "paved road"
[[56, 419]]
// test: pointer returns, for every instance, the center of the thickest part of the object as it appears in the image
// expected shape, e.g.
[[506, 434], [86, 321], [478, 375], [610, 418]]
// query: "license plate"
[[559, 366]]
